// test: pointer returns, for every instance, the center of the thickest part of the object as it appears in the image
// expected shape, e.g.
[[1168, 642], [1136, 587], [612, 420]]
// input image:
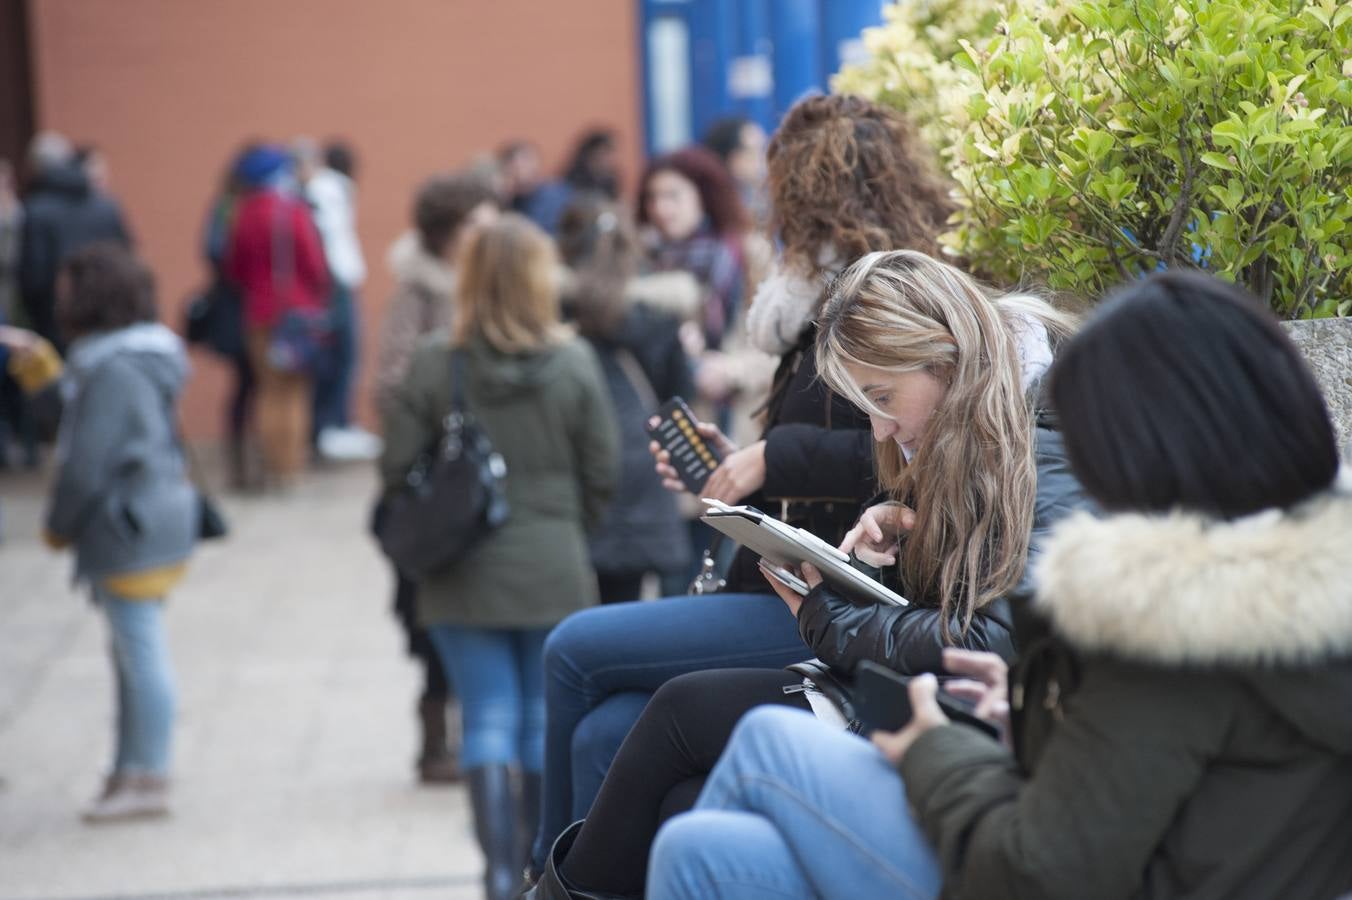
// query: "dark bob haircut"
[[1183, 393], [103, 287], [717, 192]]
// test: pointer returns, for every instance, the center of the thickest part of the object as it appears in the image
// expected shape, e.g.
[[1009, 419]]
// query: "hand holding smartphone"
[[785, 577], [882, 701]]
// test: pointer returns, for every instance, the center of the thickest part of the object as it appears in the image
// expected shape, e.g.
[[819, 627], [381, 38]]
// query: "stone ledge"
[[1327, 345]]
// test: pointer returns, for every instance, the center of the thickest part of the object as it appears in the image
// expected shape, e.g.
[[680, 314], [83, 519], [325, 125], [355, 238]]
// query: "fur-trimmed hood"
[[1267, 597], [1179, 589], [411, 264]]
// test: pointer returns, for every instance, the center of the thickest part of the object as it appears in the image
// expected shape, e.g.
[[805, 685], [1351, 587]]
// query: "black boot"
[[552, 885], [529, 821], [490, 793], [437, 763]]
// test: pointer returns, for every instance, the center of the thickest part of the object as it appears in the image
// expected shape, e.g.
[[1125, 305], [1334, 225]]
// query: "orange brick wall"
[[169, 88]]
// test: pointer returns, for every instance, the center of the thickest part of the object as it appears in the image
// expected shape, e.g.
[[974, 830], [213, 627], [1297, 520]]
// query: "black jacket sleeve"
[[810, 461], [905, 639]]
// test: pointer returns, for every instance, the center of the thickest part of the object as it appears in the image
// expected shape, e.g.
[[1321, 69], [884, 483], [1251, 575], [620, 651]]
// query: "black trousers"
[[436, 687], [661, 767]]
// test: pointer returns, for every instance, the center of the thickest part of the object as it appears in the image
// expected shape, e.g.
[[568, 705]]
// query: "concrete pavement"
[[296, 733]]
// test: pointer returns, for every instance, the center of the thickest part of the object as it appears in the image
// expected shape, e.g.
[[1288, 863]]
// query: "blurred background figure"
[[595, 164], [740, 144], [538, 394], [633, 324], [62, 213], [223, 330], [422, 260], [593, 167], [332, 196], [95, 166], [121, 499], [694, 222], [275, 256], [525, 190], [16, 422]]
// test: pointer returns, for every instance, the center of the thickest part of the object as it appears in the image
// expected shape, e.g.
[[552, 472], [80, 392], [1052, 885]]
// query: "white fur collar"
[[785, 303], [1273, 587]]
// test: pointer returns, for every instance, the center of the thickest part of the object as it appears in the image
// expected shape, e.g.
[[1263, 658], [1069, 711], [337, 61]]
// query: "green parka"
[[1185, 730], [548, 414]]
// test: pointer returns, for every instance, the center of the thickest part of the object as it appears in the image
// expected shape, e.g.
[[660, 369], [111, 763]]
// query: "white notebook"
[[785, 545]]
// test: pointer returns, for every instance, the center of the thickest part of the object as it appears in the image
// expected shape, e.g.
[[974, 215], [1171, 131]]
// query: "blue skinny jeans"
[[795, 809], [497, 675], [602, 664], [144, 675]]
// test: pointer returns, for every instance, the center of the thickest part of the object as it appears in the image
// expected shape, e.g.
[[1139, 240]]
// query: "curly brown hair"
[[849, 174], [103, 287]]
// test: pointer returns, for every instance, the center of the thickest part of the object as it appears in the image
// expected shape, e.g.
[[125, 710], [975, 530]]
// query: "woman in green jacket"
[[538, 393], [1179, 728]]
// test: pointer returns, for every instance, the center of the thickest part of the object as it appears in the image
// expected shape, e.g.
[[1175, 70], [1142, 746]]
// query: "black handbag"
[[216, 318], [211, 524], [453, 497]]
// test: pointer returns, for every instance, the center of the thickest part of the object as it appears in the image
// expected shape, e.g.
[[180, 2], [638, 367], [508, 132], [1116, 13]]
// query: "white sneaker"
[[349, 445], [127, 797]]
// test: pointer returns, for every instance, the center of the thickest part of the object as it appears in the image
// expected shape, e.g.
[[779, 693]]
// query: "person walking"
[[122, 500], [422, 261], [539, 394], [275, 257]]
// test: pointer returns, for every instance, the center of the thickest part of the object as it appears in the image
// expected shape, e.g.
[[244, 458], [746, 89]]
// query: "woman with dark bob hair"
[[1176, 727], [122, 500]]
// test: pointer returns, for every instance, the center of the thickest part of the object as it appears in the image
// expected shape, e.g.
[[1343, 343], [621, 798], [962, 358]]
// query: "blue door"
[[705, 59]]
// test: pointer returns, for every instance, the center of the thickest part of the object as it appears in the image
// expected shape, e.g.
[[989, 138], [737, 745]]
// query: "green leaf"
[[1097, 144], [1218, 161]]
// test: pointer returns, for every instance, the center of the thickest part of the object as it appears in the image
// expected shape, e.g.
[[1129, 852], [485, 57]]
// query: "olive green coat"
[[548, 414], [1184, 731]]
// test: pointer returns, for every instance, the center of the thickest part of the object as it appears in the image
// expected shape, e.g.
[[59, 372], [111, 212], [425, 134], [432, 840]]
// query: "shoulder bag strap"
[[457, 380], [638, 379]]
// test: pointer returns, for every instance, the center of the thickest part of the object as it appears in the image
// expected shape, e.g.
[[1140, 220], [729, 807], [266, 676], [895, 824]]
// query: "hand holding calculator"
[[675, 429]]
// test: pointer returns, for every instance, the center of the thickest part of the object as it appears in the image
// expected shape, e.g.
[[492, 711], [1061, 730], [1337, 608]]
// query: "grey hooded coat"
[[122, 496]]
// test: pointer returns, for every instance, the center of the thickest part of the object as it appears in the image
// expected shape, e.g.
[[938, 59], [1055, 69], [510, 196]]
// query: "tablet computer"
[[790, 547]]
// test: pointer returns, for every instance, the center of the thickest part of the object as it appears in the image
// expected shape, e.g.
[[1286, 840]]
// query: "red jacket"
[[268, 222]]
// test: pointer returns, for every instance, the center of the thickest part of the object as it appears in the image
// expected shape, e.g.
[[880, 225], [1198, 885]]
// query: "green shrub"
[[1096, 139]]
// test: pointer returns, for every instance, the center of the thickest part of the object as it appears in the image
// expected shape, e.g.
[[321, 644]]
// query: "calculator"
[[673, 427]]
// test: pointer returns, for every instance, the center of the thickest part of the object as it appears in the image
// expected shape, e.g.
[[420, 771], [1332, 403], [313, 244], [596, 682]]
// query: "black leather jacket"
[[818, 460], [909, 639]]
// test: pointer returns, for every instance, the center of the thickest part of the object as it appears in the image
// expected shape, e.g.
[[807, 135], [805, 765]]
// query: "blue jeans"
[[333, 382], [601, 665], [795, 808], [498, 677], [145, 683]]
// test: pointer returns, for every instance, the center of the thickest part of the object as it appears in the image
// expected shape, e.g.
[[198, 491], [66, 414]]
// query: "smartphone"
[[882, 701], [798, 585], [693, 458]]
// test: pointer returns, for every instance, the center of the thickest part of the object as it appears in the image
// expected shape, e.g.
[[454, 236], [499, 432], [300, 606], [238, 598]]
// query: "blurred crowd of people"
[[1120, 543]]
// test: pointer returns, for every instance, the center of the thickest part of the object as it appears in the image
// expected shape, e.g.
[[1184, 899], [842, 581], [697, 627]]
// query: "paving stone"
[[295, 740]]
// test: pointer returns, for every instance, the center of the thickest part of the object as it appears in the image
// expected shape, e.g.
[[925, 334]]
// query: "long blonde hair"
[[972, 480], [509, 287]]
